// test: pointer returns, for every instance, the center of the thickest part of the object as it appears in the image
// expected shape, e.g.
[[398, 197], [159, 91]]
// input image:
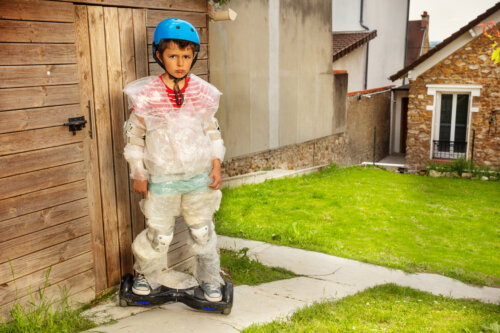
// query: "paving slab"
[[442, 285], [322, 277], [307, 290]]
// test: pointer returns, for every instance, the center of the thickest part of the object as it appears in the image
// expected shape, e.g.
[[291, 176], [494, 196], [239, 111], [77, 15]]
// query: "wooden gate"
[[65, 199], [47, 201]]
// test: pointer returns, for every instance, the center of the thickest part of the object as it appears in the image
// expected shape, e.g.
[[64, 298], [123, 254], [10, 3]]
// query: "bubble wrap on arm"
[[133, 153]]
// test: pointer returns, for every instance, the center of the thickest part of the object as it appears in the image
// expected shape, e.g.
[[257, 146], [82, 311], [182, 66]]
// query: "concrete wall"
[[387, 50], [273, 65], [396, 121], [362, 115], [354, 64]]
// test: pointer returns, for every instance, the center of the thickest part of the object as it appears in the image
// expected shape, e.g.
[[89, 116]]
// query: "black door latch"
[[76, 124]]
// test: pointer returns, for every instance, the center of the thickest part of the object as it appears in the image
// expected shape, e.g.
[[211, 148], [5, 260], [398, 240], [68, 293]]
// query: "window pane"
[[461, 118], [445, 121]]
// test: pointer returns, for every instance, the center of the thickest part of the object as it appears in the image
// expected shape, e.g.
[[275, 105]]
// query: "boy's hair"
[[182, 44]]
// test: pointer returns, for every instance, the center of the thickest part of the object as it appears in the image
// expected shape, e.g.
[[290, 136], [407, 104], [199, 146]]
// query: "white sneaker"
[[141, 286], [211, 291]]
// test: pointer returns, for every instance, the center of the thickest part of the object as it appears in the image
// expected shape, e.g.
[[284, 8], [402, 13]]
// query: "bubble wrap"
[[198, 208], [177, 144]]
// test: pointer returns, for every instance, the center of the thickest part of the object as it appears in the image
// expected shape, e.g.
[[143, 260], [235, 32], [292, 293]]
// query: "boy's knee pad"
[[201, 233], [160, 240]]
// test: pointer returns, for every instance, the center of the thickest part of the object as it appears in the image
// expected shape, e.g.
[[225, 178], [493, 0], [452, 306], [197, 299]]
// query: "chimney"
[[425, 20]]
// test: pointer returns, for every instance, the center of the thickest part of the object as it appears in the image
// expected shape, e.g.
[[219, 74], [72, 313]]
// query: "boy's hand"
[[140, 186], [215, 176]]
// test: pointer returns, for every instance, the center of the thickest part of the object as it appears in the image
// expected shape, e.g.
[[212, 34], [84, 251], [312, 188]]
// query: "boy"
[[174, 150]]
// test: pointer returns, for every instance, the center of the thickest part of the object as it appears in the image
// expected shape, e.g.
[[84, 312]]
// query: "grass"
[[242, 270], [418, 224], [42, 314], [390, 308]]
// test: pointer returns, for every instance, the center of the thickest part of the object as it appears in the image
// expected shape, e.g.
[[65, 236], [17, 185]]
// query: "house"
[[65, 201], [371, 36], [453, 99], [349, 56], [418, 38], [285, 99]]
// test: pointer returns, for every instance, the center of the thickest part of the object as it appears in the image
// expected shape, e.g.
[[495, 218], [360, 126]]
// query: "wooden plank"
[[42, 179], [179, 240], [191, 5], [22, 286], [74, 284], [28, 76], [126, 21], [115, 83], [18, 247], [42, 219], [40, 159], [84, 297], [33, 97], [33, 10], [202, 32], [179, 254], [104, 142], [203, 55], [32, 202], [204, 77], [36, 32], [90, 144], [140, 43], [28, 119], [36, 54], [201, 67], [44, 258], [37, 139], [141, 70], [156, 16]]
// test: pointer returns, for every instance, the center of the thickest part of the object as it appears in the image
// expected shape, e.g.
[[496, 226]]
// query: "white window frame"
[[437, 90]]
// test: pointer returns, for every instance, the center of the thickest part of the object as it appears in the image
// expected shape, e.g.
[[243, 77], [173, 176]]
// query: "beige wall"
[[240, 56], [354, 64]]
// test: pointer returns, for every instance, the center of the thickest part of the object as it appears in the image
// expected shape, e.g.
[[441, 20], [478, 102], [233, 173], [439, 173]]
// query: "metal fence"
[[449, 149]]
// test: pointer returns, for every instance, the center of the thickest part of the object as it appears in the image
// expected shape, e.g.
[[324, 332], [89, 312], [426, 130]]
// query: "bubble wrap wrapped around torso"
[[177, 145]]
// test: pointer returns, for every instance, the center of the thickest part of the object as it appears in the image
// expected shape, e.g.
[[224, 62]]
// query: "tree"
[[491, 31]]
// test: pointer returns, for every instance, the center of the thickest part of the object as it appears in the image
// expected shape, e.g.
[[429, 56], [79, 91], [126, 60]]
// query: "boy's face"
[[177, 61]]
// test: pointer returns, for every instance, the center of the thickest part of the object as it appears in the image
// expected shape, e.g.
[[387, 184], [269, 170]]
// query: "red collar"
[[170, 92]]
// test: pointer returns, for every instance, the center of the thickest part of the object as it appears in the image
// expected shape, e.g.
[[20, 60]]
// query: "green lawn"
[[390, 308], [442, 225], [242, 270]]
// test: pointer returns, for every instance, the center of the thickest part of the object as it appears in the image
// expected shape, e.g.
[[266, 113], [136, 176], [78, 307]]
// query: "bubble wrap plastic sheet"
[[198, 208], [177, 143]]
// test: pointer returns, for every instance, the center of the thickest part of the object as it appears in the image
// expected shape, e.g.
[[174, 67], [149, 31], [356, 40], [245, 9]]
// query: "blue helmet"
[[174, 28]]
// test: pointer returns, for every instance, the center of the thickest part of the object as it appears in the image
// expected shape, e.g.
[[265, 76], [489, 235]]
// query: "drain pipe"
[[406, 38], [367, 44]]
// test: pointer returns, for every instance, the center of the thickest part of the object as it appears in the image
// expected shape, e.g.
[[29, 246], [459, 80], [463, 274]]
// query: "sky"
[[447, 16]]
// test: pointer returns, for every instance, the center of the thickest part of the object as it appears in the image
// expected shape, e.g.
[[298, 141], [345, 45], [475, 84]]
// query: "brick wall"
[[362, 116], [330, 149], [469, 65]]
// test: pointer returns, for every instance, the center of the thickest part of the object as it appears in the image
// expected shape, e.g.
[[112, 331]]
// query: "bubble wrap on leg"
[[160, 212], [198, 208]]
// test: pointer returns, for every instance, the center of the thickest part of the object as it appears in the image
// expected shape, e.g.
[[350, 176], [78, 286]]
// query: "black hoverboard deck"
[[192, 297]]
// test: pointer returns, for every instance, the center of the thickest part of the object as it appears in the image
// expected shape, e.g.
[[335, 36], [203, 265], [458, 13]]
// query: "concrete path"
[[324, 277]]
